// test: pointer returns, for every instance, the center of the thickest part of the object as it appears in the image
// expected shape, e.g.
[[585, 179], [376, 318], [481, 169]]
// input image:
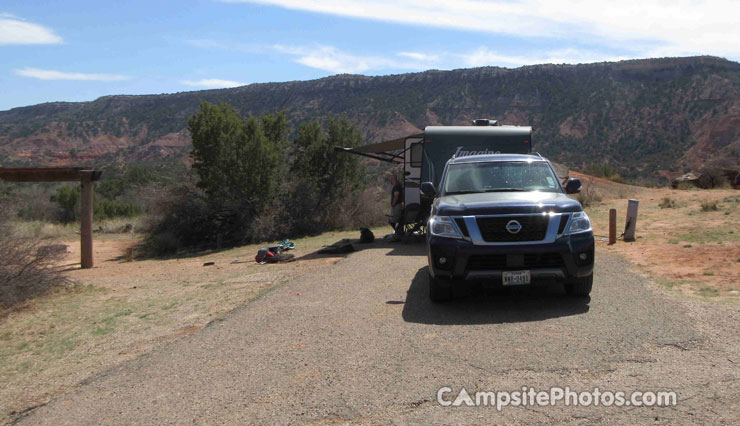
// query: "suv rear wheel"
[[439, 290], [580, 287]]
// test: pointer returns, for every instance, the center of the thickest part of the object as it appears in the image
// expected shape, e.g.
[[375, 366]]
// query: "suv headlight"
[[579, 223], [442, 226]]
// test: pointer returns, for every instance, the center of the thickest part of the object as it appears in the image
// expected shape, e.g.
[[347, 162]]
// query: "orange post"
[[612, 226], [86, 220]]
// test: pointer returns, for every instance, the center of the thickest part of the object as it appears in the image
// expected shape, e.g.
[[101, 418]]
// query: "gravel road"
[[360, 342]]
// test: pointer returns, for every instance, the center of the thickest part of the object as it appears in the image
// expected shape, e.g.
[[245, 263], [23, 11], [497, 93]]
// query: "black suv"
[[506, 220]]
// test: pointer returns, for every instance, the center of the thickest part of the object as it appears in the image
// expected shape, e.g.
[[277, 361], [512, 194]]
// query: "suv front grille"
[[499, 261], [493, 229]]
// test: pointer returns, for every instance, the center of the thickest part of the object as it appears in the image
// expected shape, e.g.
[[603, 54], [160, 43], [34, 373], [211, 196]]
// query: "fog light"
[[583, 256], [442, 260]]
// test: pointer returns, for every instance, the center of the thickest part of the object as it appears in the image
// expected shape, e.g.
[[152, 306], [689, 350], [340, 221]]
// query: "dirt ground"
[[359, 342], [687, 249], [119, 310]]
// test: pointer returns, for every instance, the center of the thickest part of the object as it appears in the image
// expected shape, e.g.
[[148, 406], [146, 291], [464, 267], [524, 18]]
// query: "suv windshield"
[[500, 176]]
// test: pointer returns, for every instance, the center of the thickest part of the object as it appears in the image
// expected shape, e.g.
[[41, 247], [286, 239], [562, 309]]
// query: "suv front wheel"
[[439, 290], [580, 287]]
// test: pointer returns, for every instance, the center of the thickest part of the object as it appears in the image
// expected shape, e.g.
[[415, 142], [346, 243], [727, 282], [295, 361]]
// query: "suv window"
[[500, 176]]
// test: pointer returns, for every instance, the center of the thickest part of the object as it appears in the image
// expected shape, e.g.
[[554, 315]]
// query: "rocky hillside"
[[646, 117]]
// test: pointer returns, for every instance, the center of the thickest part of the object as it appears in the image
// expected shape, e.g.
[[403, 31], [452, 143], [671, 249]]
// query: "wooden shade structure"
[[86, 177]]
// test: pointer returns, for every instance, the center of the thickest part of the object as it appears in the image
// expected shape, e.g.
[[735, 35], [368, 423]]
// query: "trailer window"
[[417, 151]]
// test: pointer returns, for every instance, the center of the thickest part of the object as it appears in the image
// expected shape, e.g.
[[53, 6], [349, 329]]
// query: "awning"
[[390, 151], [387, 146]]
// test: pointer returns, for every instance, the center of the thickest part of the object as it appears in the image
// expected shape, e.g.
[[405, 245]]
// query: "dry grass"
[[27, 268], [65, 231], [709, 206], [119, 310], [689, 244]]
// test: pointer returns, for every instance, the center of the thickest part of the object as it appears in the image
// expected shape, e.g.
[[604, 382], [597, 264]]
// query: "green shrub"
[[709, 206], [250, 188], [667, 203], [68, 200], [708, 292], [713, 177], [132, 177], [114, 209], [588, 194], [605, 171], [162, 244], [235, 159]]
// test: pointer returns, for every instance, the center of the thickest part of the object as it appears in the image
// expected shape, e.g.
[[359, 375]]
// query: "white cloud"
[[14, 30], [418, 56], [212, 83], [484, 56], [329, 58], [654, 27], [60, 75]]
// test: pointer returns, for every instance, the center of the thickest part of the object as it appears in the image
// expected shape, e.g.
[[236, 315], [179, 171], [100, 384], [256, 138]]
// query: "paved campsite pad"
[[354, 342]]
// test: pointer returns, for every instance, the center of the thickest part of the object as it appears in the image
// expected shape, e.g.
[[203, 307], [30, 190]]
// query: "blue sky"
[[80, 50]]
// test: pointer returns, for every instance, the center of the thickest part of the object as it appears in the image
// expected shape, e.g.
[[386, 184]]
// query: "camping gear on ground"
[[262, 254], [366, 236], [286, 245], [273, 254], [282, 257]]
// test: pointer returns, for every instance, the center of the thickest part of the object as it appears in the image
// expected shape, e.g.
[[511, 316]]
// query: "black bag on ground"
[[366, 236]]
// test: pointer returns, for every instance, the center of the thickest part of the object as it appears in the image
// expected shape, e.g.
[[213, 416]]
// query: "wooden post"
[[86, 220], [612, 226], [629, 226]]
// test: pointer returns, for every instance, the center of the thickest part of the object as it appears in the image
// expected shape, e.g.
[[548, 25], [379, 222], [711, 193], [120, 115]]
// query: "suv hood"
[[504, 203]]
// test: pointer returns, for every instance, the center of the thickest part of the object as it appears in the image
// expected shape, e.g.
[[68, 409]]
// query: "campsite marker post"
[[612, 226], [629, 226]]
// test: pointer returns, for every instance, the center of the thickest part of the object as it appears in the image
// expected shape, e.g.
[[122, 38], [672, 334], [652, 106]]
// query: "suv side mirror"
[[573, 186], [427, 188]]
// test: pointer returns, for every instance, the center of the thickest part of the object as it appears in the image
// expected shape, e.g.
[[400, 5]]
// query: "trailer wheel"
[[439, 290]]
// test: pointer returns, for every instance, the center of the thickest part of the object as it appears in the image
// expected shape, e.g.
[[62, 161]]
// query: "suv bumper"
[[559, 260]]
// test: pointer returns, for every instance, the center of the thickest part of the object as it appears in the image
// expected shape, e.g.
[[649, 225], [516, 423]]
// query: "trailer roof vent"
[[485, 122]]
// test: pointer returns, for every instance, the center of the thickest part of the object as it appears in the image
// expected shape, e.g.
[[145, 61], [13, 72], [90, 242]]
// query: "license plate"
[[516, 277]]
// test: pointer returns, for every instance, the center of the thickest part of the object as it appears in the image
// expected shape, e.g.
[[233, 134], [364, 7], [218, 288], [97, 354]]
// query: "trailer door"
[[414, 148]]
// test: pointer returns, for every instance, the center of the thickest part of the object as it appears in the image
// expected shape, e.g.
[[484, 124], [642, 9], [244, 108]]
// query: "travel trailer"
[[424, 155]]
